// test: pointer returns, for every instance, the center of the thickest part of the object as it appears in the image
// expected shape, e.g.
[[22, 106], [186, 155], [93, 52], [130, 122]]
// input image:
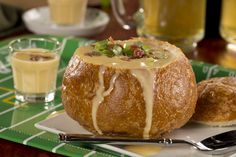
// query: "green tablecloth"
[[17, 120]]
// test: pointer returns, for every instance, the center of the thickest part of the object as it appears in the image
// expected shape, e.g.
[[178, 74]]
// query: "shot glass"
[[35, 64]]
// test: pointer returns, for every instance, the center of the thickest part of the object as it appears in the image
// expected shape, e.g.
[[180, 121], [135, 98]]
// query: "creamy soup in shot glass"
[[34, 65]]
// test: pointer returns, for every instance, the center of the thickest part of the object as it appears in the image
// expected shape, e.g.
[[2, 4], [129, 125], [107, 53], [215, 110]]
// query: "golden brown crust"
[[123, 111], [176, 97], [216, 103]]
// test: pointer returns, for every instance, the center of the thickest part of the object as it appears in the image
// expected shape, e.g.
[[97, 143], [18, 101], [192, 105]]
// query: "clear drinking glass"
[[180, 22], [228, 33], [34, 64], [228, 22]]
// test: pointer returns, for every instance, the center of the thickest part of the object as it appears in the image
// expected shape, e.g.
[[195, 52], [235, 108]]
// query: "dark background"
[[213, 18]]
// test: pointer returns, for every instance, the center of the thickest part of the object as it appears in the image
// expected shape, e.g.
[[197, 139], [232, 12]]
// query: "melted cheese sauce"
[[112, 82], [146, 79], [98, 98], [100, 94]]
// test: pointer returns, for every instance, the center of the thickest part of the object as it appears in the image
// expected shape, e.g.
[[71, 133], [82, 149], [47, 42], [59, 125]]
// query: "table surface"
[[208, 50]]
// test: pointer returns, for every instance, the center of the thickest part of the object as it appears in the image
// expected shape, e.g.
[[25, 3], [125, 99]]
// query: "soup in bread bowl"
[[138, 87]]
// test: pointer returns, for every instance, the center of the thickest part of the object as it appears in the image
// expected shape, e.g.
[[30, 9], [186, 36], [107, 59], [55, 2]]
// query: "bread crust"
[[216, 104], [122, 112]]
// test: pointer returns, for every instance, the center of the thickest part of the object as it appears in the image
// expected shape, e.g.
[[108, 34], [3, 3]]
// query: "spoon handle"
[[95, 138]]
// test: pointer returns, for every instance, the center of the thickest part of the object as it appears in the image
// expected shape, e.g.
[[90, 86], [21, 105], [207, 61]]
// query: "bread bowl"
[[216, 104], [144, 94]]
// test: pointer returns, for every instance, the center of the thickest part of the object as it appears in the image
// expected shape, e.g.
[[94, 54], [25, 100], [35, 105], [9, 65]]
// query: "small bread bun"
[[144, 95], [216, 104]]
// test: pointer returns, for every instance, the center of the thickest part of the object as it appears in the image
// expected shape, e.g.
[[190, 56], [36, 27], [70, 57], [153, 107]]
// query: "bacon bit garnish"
[[111, 40], [138, 53], [34, 57], [134, 47]]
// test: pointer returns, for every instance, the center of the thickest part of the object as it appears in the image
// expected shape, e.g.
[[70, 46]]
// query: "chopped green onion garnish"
[[127, 51], [107, 53], [101, 45], [117, 50]]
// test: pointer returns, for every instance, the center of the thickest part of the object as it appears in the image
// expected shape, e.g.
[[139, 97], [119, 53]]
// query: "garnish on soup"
[[126, 51]]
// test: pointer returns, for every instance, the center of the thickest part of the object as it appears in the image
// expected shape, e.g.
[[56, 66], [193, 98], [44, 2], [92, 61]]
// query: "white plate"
[[62, 123], [38, 21]]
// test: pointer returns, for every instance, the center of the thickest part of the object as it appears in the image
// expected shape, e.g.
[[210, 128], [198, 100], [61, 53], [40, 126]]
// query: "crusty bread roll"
[[142, 95], [216, 104]]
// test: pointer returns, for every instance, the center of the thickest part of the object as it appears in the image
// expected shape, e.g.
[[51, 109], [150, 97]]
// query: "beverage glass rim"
[[52, 40]]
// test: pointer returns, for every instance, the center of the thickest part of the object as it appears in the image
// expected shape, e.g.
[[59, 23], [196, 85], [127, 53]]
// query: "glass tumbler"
[[34, 63], [228, 22], [180, 22]]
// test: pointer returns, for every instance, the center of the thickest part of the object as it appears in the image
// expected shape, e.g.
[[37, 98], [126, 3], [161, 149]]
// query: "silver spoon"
[[215, 145]]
